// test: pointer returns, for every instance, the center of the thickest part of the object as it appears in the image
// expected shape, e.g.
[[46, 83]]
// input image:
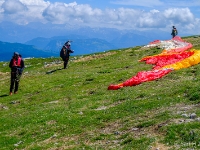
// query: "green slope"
[[72, 108]]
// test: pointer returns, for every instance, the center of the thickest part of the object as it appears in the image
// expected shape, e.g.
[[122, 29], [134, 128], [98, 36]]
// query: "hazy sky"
[[121, 14]]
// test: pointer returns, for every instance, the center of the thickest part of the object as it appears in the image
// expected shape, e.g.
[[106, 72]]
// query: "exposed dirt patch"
[[80, 59], [159, 146], [3, 74], [55, 65], [91, 57], [144, 48], [107, 107], [3, 107], [53, 102], [6, 73], [51, 122]]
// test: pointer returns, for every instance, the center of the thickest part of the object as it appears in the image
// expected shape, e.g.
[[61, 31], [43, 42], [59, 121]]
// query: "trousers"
[[65, 62], [14, 81]]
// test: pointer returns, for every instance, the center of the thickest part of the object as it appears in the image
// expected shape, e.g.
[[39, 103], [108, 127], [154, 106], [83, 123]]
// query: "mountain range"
[[84, 40]]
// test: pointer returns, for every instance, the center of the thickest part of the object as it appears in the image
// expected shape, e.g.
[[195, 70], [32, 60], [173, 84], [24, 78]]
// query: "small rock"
[[116, 133], [5, 107], [198, 119], [135, 129], [184, 115], [181, 120], [20, 142], [4, 65], [54, 136], [81, 113], [14, 102], [193, 116]]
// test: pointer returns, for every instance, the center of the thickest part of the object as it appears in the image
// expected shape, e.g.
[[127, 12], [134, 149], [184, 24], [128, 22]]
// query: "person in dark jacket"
[[65, 53], [17, 67], [174, 31]]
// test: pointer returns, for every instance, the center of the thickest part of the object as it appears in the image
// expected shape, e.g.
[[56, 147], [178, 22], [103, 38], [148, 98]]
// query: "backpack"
[[62, 53], [175, 31]]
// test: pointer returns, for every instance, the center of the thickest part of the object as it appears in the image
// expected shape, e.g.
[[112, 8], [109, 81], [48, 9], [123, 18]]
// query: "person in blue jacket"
[[174, 31]]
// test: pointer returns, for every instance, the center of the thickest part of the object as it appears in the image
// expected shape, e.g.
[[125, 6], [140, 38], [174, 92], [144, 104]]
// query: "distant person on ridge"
[[17, 67], [65, 53], [174, 32]]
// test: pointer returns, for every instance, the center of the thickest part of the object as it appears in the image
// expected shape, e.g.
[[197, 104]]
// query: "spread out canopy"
[[160, 61], [176, 55]]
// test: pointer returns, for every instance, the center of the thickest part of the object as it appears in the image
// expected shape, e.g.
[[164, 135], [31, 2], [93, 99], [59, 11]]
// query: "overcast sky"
[[121, 14]]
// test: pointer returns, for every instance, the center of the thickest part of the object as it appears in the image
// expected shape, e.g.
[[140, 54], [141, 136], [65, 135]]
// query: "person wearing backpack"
[[174, 31], [17, 66], [65, 53]]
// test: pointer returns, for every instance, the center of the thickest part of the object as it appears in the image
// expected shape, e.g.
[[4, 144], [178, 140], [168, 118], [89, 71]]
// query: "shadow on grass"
[[51, 71], [4, 95]]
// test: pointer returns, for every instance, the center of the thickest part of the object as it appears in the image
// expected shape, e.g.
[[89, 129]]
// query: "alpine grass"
[[71, 108]]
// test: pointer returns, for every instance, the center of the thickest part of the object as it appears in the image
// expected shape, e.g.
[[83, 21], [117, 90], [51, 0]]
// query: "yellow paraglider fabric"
[[190, 61]]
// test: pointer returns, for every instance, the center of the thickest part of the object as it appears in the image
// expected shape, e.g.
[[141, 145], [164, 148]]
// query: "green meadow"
[[71, 109]]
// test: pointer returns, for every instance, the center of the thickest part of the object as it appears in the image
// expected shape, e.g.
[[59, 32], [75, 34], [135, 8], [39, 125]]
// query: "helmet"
[[68, 43]]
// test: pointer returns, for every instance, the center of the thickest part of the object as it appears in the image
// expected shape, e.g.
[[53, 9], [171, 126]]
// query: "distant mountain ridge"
[[89, 44], [42, 47], [85, 40], [80, 46], [7, 50], [46, 47]]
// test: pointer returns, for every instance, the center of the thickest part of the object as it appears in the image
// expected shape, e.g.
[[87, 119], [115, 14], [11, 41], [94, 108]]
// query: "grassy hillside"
[[59, 109]]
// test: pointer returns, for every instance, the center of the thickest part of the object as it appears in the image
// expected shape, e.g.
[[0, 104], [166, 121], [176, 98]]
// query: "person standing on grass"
[[17, 66], [174, 31], [65, 53]]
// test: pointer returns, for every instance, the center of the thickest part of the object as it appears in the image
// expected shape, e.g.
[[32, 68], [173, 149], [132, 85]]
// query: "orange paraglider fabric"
[[177, 57]]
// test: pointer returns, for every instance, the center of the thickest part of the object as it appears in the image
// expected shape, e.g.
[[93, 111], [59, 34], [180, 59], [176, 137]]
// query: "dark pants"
[[65, 62], [173, 35], [14, 82]]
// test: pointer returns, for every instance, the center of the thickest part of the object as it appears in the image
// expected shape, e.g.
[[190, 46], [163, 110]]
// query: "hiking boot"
[[10, 93]]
